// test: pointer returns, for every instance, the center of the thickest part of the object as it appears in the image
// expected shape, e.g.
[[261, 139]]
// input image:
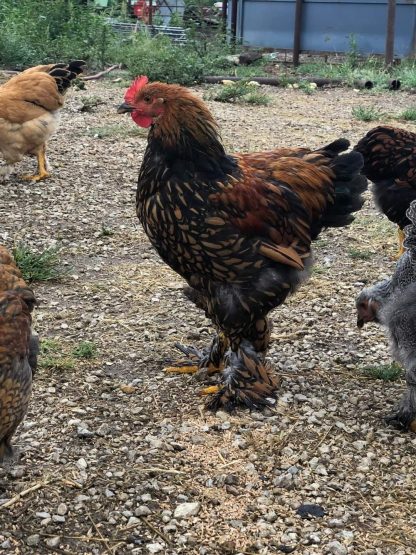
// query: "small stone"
[[129, 389], [6, 544], [186, 510], [33, 540], [82, 464], [155, 547], [17, 472], [58, 518], [142, 510], [42, 515], [133, 521], [61, 510], [53, 542], [309, 510], [336, 548]]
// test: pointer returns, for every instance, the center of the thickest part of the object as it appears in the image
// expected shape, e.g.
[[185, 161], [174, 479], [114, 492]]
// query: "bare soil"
[[112, 445]]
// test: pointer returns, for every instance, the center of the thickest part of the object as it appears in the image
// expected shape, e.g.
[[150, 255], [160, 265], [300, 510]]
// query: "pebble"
[[336, 548], [186, 510], [61, 510], [155, 547], [53, 542], [142, 510], [33, 540]]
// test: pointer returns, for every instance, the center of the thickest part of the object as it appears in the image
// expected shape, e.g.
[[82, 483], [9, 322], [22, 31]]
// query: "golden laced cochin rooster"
[[30, 105], [390, 163], [18, 349], [237, 228]]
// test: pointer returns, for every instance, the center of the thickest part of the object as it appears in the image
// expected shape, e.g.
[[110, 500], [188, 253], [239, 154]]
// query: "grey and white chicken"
[[392, 303]]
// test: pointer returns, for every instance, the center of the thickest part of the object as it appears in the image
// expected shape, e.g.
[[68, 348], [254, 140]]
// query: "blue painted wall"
[[327, 25]]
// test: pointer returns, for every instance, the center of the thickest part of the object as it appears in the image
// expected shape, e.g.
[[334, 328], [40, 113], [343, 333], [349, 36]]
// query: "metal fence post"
[[297, 32], [391, 19]]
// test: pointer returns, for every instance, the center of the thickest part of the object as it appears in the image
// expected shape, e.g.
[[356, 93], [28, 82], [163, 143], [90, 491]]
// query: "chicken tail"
[[349, 184], [64, 74]]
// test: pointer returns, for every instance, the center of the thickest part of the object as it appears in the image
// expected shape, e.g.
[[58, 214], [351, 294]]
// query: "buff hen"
[[30, 105]]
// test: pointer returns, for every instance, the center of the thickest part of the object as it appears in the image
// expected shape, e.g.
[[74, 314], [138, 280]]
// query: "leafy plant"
[[409, 114], [359, 255], [85, 349], [42, 266], [52, 356], [385, 372], [238, 91], [366, 113]]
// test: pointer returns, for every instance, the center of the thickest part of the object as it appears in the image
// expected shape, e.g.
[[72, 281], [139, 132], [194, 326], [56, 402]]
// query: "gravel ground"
[[115, 456]]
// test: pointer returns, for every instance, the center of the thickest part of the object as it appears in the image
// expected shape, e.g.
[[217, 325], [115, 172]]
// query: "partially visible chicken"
[[392, 303], [390, 163], [30, 104], [237, 228], [18, 350]]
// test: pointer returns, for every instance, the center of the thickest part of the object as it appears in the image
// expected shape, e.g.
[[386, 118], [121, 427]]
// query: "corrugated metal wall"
[[327, 25]]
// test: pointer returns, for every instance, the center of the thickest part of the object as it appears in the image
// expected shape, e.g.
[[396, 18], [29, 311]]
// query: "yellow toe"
[[190, 369], [210, 390]]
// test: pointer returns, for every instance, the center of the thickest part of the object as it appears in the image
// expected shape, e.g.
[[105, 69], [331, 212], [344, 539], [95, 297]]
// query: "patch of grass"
[[52, 357], [306, 87], [319, 270], [124, 129], [239, 91], [85, 349], [409, 114], [106, 231], [366, 113], [48, 346], [385, 372], [359, 254], [89, 103], [39, 266]]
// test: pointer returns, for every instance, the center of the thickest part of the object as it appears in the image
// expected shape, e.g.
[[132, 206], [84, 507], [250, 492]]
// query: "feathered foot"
[[248, 382], [404, 417], [209, 359], [42, 167]]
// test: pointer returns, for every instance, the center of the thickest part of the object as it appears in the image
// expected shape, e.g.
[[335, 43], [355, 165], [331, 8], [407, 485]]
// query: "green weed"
[[366, 113], [385, 372], [85, 349], [42, 266]]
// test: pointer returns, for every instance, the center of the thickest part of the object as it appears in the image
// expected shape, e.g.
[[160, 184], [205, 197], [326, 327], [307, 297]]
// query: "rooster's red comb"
[[137, 84]]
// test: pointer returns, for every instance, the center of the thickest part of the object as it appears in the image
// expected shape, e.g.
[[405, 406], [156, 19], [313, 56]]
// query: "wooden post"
[[391, 19], [224, 11], [297, 32], [150, 12]]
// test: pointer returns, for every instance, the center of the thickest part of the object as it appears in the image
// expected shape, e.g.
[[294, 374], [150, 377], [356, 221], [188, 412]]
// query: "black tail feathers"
[[64, 74], [349, 184], [340, 145]]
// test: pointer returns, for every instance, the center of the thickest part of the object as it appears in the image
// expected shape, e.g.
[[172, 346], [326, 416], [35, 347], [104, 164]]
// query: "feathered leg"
[[248, 379], [404, 417], [42, 166]]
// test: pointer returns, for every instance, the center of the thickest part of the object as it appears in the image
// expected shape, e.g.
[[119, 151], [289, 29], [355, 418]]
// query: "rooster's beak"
[[124, 108]]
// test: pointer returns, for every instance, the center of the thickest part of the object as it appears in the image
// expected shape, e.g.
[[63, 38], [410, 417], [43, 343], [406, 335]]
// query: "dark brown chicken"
[[237, 228], [18, 349], [390, 163]]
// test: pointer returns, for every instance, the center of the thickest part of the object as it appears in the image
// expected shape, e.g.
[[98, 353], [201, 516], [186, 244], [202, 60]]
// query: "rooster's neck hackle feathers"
[[186, 122]]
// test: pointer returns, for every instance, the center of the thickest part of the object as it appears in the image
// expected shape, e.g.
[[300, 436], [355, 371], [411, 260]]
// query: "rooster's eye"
[[147, 99]]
